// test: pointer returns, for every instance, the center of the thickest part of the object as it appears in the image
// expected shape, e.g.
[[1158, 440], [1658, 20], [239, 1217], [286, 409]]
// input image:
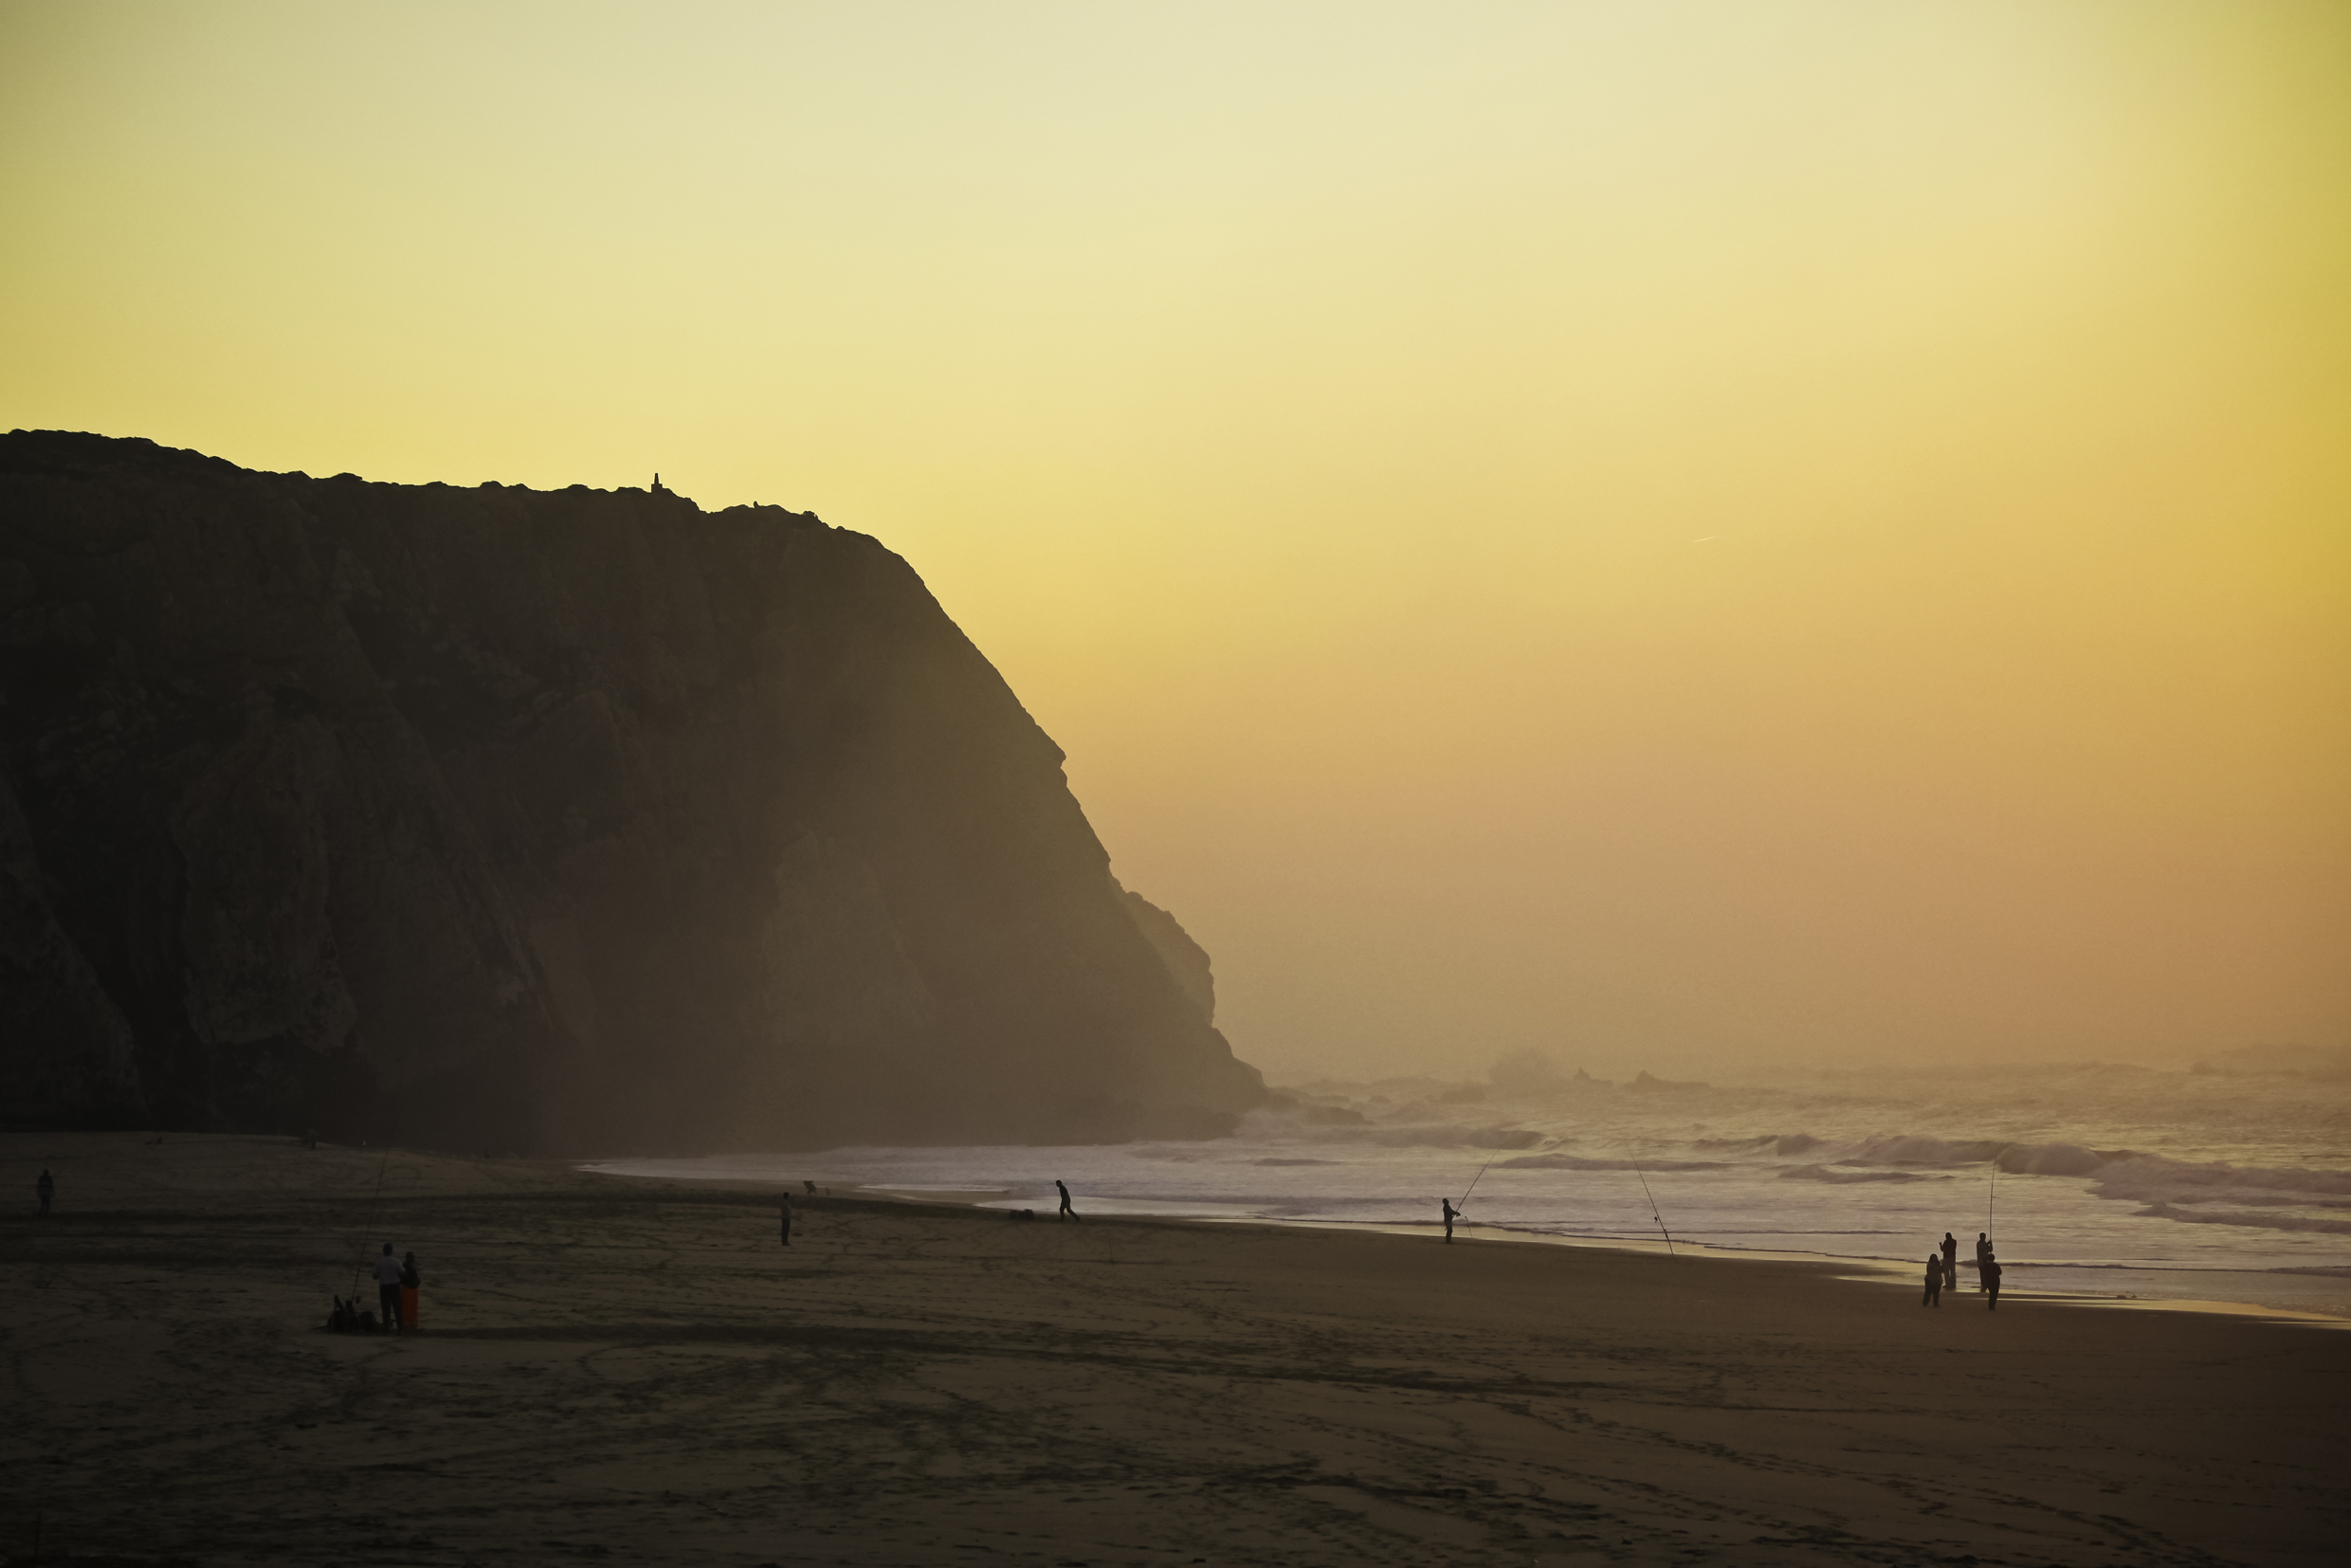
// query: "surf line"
[[1654, 1214]]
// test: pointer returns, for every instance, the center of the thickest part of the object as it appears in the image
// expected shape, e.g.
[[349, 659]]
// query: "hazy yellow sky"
[[1669, 533]]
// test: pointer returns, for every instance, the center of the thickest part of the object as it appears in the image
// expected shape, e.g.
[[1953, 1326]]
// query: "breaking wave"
[[1822, 1172], [1796, 1143], [2263, 1222], [1577, 1163]]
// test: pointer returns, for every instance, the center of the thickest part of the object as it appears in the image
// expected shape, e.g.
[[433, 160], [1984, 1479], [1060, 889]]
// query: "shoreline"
[[638, 1368], [1861, 1270]]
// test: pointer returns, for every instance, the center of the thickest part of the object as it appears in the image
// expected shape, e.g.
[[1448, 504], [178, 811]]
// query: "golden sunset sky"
[[1678, 536]]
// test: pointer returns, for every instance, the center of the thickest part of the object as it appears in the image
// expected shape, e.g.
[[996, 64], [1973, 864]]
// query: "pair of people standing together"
[[396, 1286]]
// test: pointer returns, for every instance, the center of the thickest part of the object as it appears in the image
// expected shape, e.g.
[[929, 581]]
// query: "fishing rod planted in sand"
[[375, 1205], [1653, 1210]]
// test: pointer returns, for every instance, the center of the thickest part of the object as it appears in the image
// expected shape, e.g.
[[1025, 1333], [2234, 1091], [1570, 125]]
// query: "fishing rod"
[[1473, 1182], [375, 1206], [1653, 1210]]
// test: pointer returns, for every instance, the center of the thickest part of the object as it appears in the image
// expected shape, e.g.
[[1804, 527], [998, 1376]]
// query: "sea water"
[[2096, 1180]]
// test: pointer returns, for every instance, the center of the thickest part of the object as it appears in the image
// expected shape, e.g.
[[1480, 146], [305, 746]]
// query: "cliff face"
[[561, 820], [1185, 959]]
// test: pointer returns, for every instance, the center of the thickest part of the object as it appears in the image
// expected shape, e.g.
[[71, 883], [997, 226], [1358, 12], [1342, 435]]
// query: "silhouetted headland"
[[515, 819]]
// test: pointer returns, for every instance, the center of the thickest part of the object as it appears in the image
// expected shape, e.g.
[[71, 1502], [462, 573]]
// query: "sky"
[[1678, 537]]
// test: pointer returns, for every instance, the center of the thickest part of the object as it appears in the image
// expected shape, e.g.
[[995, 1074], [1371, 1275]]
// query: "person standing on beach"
[[388, 1287], [1067, 1212], [1450, 1214], [1950, 1260], [1983, 1250], [411, 1283], [1933, 1279], [787, 1219], [44, 1189], [1992, 1278]]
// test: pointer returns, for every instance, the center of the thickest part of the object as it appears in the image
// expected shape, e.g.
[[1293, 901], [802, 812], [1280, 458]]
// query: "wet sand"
[[625, 1369]]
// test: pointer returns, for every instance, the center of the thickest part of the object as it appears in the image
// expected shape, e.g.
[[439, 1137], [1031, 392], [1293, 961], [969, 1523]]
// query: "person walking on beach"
[[1950, 1260], [1983, 1250], [1067, 1212], [44, 1189], [1451, 1214], [411, 1283], [1933, 1279], [787, 1219], [388, 1287], [1992, 1278]]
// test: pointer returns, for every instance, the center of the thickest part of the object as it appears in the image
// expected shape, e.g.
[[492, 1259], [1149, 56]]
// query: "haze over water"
[[1675, 534]]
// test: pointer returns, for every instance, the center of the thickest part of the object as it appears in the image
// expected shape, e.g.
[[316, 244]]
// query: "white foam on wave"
[[1823, 1173], [1578, 1162]]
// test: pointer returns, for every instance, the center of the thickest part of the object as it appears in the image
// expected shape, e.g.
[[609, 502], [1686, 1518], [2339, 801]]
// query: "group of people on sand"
[[397, 1283], [1942, 1268]]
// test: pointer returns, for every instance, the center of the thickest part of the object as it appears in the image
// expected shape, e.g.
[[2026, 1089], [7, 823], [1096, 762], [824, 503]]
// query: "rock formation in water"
[[556, 820]]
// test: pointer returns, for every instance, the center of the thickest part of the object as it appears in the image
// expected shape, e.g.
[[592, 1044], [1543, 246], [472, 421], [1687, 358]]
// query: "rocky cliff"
[[555, 820]]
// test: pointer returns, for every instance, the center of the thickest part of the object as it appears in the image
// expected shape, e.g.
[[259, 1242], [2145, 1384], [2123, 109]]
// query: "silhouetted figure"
[[46, 1190], [1933, 1279], [1992, 1278], [787, 1219], [388, 1286], [1950, 1260], [1067, 1212], [1983, 1250], [1450, 1214], [411, 1283]]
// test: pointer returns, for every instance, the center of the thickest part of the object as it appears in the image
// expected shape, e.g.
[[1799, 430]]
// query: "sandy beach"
[[618, 1369]]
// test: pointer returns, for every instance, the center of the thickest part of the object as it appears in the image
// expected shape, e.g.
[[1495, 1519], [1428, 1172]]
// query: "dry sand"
[[614, 1369]]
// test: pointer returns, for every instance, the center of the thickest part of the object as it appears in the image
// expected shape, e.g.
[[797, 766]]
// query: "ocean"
[[2105, 1181]]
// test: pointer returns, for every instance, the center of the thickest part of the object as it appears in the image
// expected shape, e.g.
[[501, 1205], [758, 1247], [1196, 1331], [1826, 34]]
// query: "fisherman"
[[46, 1190], [1933, 1279], [787, 1219], [1950, 1260], [1992, 1278], [1450, 1213], [1067, 1212], [1983, 1250], [388, 1287]]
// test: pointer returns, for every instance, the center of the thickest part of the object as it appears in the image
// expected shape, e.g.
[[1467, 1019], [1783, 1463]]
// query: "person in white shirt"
[[388, 1287]]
